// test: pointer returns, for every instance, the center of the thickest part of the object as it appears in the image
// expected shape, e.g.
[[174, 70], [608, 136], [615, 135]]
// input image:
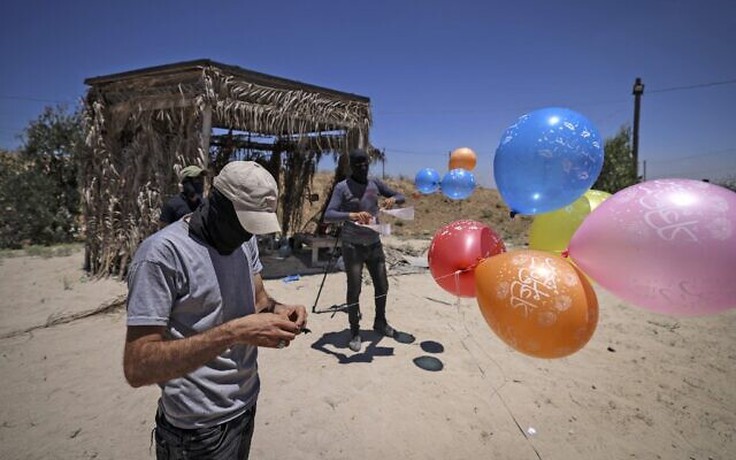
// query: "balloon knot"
[[474, 265], [565, 253]]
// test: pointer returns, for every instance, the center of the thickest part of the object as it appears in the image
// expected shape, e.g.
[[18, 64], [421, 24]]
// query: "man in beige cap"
[[190, 197], [197, 313]]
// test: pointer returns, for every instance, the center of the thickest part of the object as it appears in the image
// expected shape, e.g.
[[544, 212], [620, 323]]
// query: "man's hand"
[[264, 330], [362, 217], [294, 313], [150, 357], [388, 203]]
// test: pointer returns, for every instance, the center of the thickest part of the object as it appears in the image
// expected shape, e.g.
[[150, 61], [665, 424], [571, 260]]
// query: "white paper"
[[382, 229], [401, 213]]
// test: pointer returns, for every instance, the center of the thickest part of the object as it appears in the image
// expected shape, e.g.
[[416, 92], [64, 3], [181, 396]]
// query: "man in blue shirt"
[[355, 202]]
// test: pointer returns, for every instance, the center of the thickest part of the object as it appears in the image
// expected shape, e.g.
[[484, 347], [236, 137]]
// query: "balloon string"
[[456, 274], [457, 287], [346, 305], [496, 389]]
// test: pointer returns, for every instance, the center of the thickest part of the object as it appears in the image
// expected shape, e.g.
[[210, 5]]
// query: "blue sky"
[[440, 74]]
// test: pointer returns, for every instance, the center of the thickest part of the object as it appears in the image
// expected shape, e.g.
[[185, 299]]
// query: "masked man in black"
[[355, 201], [192, 187]]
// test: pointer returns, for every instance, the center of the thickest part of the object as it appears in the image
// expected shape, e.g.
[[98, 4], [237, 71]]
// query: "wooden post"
[[205, 135]]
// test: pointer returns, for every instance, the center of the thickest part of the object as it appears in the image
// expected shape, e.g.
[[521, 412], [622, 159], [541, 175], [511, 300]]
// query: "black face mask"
[[193, 189], [359, 166], [216, 223]]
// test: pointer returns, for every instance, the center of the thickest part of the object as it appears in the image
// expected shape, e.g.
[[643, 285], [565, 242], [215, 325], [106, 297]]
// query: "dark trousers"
[[372, 256], [228, 441]]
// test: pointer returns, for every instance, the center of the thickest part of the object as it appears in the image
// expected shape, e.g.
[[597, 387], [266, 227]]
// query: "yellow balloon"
[[552, 231], [596, 197]]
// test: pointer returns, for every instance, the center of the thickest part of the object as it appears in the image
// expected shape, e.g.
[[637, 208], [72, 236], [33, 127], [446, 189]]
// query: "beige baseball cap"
[[254, 194], [190, 171]]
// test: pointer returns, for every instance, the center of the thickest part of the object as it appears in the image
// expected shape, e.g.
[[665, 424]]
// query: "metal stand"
[[332, 308]]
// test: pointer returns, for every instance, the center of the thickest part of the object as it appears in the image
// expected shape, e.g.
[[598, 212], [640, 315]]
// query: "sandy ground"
[[646, 386]]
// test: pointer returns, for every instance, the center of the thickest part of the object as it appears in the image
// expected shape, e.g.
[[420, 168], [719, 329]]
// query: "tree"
[[618, 169], [727, 182], [54, 141], [39, 191]]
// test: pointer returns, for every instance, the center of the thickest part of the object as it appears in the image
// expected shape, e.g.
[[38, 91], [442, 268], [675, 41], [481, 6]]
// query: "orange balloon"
[[463, 158], [536, 302]]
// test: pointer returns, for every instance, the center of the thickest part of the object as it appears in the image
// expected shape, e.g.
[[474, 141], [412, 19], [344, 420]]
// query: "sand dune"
[[646, 386]]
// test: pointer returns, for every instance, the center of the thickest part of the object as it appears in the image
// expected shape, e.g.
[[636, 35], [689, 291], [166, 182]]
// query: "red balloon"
[[456, 250]]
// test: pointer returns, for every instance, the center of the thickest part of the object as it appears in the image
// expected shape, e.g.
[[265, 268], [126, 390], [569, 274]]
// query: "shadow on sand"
[[338, 346]]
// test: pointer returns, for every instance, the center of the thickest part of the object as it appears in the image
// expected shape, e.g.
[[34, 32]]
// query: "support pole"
[[205, 135]]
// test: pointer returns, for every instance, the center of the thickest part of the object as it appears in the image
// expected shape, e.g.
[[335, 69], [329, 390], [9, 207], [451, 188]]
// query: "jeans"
[[230, 440], [354, 256]]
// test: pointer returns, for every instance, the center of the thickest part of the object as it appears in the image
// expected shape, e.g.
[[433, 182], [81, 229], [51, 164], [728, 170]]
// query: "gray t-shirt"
[[182, 283]]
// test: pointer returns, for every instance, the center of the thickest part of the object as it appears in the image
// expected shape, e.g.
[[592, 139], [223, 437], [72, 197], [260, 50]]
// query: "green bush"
[[29, 200], [39, 193], [728, 182]]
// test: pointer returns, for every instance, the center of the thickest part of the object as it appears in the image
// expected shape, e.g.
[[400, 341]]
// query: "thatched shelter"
[[145, 125]]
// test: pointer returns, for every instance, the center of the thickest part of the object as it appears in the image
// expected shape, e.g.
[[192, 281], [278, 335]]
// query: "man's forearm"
[[155, 361], [266, 305], [264, 302], [333, 216]]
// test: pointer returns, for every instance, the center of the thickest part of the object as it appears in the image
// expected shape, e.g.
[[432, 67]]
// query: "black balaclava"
[[215, 222], [359, 166], [193, 188]]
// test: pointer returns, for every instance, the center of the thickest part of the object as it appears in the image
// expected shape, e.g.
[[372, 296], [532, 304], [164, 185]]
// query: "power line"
[[33, 99], [582, 104], [698, 172], [7, 131], [695, 86], [495, 110], [409, 152], [697, 155]]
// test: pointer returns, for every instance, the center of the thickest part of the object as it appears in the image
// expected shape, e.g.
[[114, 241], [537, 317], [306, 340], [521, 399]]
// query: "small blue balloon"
[[546, 160], [427, 181], [458, 184]]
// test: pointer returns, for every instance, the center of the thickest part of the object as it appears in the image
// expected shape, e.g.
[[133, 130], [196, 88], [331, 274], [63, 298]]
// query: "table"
[[317, 243]]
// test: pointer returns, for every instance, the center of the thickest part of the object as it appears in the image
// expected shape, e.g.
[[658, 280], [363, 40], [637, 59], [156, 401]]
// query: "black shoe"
[[384, 329], [355, 343]]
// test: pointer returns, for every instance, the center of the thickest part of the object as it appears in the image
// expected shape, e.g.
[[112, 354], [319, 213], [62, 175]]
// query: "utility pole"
[[383, 164], [637, 91]]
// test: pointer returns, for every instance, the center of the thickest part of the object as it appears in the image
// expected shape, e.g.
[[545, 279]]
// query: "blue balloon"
[[547, 160], [458, 184], [427, 181]]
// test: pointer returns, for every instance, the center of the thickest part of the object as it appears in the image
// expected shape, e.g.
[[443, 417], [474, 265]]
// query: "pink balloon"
[[456, 250], [666, 245]]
